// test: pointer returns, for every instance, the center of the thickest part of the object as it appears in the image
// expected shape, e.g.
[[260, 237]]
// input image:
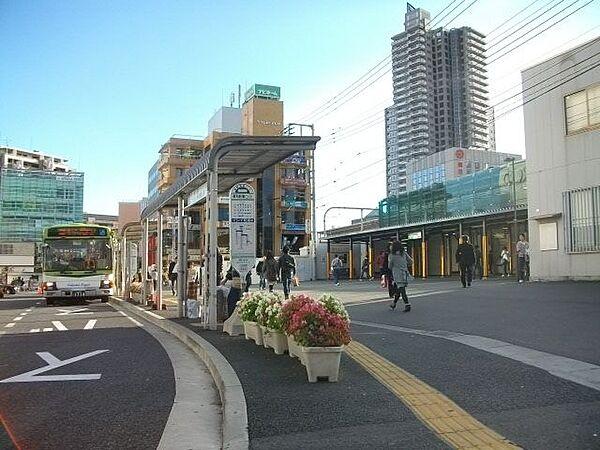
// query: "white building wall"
[[556, 162]]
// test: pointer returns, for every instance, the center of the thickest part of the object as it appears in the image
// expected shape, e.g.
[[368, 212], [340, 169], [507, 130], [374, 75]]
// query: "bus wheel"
[[49, 302]]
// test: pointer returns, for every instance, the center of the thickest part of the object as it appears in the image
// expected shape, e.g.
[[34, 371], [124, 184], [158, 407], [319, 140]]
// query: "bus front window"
[[77, 255]]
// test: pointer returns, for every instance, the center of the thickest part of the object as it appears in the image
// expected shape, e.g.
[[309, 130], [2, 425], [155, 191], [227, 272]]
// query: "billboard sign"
[[263, 91]]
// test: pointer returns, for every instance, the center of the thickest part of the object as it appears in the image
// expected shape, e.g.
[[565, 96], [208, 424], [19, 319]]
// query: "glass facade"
[[482, 192], [31, 200]]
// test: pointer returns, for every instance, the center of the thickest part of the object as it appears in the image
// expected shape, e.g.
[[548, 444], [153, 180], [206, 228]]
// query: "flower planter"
[[252, 331], [294, 349], [322, 362], [266, 337], [277, 341]]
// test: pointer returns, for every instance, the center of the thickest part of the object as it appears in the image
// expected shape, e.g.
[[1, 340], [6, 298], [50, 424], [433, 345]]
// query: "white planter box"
[[252, 331], [294, 349], [265, 336], [277, 341], [322, 362]]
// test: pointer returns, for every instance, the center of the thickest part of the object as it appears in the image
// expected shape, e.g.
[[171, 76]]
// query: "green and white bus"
[[77, 263]]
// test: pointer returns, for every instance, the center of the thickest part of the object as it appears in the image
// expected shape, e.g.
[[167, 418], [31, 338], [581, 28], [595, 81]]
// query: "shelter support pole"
[[328, 259], [124, 267], [370, 253], [144, 243], [442, 257], [484, 252], [181, 260], [351, 260], [212, 216], [159, 259], [424, 261]]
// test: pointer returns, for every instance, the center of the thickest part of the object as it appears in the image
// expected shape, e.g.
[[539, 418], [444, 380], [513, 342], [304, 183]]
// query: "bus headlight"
[[49, 286], [106, 284]]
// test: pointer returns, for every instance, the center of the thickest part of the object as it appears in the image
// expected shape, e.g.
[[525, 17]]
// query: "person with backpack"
[[465, 257], [398, 262], [287, 269], [270, 270], [336, 267]]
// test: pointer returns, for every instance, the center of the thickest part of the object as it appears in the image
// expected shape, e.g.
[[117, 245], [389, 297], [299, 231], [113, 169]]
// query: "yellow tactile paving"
[[444, 417]]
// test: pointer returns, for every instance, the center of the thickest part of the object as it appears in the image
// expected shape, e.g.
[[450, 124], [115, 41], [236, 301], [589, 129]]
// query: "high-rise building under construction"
[[440, 94]]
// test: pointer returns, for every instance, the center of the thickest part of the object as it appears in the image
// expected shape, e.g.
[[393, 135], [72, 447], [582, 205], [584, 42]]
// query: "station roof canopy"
[[237, 159]]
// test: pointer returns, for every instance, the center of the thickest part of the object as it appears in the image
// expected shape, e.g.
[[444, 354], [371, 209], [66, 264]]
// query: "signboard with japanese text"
[[242, 227]]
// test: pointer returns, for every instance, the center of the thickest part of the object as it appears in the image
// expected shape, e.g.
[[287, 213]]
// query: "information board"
[[242, 227]]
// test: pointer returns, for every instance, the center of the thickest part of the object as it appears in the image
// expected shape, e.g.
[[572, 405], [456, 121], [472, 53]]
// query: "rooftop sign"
[[263, 91]]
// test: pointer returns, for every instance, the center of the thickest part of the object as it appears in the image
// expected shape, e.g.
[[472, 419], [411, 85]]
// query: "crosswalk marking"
[[90, 324], [34, 330], [18, 318], [48, 329], [9, 325]]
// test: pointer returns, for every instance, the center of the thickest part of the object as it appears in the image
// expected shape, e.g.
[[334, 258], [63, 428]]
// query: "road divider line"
[[59, 326], [122, 313], [9, 325], [387, 299], [139, 324], [445, 418], [90, 324]]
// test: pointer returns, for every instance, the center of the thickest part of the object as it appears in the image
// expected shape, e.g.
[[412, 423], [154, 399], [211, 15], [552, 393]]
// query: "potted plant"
[[274, 328], [288, 309], [263, 312], [321, 335], [248, 306]]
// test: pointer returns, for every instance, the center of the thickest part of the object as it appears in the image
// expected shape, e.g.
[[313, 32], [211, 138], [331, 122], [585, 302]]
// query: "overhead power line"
[[511, 18]]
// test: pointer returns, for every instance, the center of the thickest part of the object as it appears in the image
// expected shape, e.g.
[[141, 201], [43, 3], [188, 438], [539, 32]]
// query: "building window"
[[582, 220], [582, 110]]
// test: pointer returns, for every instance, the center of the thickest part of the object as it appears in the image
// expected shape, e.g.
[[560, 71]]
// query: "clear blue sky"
[[105, 83]]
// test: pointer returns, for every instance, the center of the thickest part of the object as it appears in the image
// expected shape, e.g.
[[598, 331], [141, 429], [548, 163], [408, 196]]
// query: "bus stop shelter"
[[232, 160]]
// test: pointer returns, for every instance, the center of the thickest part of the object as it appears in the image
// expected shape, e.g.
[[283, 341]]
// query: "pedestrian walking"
[[504, 260], [364, 269], [398, 262], [465, 257], [173, 268], [336, 267], [259, 271], [522, 257], [287, 269], [270, 270]]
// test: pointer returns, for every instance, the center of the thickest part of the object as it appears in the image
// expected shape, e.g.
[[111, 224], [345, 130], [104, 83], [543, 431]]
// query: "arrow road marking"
[[54, 363], [69, 312], [59, 326], [90, 324]]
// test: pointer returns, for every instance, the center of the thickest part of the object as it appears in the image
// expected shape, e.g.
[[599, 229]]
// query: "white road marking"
[[54, 363], [90, 324], [48, 329], [29, 310], [34, 330], [69, 312], [122, 313], [9, 325], [139, 324], [574, 370], [23, 314], [370, 302], [18, 318], [59, 326]]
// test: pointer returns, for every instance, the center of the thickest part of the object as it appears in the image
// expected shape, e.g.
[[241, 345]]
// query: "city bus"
[[77, 262]]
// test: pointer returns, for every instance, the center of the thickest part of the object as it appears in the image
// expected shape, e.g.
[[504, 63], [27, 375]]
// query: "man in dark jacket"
[[465, 257], [287, 269]]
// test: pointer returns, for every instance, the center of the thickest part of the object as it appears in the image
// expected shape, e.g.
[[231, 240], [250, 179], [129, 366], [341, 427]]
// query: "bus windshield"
[[67, 255]]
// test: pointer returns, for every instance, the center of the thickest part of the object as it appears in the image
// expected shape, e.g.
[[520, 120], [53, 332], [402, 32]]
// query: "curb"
[[233, 401]]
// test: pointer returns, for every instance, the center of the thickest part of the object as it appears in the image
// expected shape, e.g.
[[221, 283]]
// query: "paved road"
[[127, 404]]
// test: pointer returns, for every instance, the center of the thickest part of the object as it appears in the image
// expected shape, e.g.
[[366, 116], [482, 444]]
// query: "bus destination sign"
[[77, 232]]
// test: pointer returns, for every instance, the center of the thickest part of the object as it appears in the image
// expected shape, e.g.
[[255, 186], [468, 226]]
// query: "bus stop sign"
[[242, 227]]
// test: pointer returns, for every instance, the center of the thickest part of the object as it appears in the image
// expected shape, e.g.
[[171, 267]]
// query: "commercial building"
[[450, 164], [105, 220], [562, 138], [227, 119], [175, 156], [36, 191], [283, 210], [439, 91]]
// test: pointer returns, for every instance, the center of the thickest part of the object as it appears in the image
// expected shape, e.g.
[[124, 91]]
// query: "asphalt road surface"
[[82, 376]]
